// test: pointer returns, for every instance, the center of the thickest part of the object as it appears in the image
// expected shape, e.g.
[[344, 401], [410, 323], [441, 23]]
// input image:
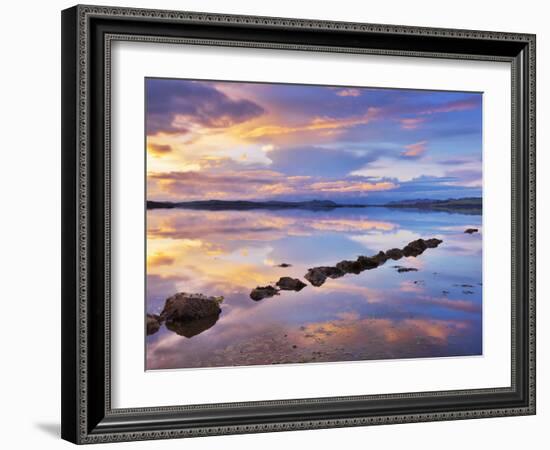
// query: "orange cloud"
[[250, 184], [159, 259], [316, 124], [159, 150], [416, 149]]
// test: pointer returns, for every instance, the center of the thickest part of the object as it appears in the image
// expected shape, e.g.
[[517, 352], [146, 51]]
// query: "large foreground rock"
[[190, 328], [290, 284], [261, 292], [184, 307]]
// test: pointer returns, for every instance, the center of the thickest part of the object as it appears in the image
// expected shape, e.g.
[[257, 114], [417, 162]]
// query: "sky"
[[265, 141]]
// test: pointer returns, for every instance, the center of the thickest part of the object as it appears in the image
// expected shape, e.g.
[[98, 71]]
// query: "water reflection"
[[378, 314]]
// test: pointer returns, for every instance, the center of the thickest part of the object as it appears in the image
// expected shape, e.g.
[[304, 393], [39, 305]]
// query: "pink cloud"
[[251, 184], [350, 92], [415, 150], [459, 105], [411, 123]]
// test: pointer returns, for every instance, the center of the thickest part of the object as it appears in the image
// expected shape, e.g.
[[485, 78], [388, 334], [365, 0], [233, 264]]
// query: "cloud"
[[255, 184], [453, 106], [159, 150], [415, 150], [352, 186], [455, 162], [315, 124], [319, 161], [411, 123], [179, 106], [465, 177], [195, 236], [349, 92], [405, 169], [159, 259]]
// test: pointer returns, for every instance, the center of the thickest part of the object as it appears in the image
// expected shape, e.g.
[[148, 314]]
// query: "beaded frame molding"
[[87, 35]]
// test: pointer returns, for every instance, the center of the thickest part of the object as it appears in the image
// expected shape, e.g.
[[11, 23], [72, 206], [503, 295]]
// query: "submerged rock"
[[183, 307], [471, 230], [394, 253], [318, 275], [406, 269], [261, 292], [284, 265], [191, 328], [153, 324], [290, 284]]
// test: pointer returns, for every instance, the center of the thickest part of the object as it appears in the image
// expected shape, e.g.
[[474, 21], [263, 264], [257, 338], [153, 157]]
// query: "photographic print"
[[291, 223]]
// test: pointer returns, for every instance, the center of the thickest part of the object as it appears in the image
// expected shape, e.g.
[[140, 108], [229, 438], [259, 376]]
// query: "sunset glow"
[[258, 141]]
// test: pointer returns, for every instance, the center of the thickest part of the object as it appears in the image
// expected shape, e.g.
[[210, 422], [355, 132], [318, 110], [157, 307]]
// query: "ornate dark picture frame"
[[87, 34]]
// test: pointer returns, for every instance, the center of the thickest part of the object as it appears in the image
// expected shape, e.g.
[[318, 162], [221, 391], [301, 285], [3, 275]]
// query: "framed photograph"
[[280, 224]]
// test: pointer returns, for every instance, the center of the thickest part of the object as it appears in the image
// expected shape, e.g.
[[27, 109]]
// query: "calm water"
[[378, 314]]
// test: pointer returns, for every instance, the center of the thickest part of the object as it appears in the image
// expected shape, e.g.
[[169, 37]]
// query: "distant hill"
[[468, 204], [471, 205], [215, 205]]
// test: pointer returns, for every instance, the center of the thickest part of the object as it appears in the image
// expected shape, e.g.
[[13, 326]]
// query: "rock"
[[468, 292], [284, 265], [183, 307], [318, 275], [380, 257], [153, 324], [394, 253], [261, 292], [471, 230], [315, 276], [415, 248], [406, 269], [290, 284], [433, 243], [367, 262], [191, 328], [350, 266]]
